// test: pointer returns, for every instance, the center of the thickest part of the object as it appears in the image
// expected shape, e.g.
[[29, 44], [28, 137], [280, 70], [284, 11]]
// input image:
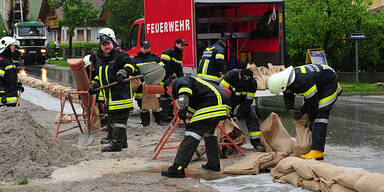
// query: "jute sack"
[[370, 182], [149, 101], [310, 185], [66, 118], [254, 163], [349, 178], [234, 132], [303, 140], [303, 168], [284, 167], [274, 136], [292, 178]]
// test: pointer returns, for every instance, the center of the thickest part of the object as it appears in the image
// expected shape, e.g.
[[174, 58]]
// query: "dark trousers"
[[193, 134]]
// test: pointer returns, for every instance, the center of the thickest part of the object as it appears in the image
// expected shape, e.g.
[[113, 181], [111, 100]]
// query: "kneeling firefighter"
[[118, 99], [320, 88], [9, 83], [209, 104], [243, 88]]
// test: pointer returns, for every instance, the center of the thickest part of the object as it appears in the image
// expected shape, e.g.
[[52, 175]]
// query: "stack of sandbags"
[[254, 163], [319, 176], [53, 89], [261, 74]]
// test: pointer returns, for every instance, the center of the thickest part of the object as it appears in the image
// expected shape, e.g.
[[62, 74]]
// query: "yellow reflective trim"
[[225, 84], [165, 56], [310, 91], [185, 89], [218, 96], [302, 69], [130, 66], [219, 56], [329, 98], [10, 67], [255, 133]]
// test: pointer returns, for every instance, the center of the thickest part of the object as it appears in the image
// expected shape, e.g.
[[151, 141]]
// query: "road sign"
[[357, 36]]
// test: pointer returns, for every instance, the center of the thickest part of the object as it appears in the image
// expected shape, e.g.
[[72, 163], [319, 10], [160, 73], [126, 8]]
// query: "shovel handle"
[[115, 83]]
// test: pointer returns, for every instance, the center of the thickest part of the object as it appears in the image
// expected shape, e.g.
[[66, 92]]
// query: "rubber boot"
[[212, 149], [124, 138], [159, 118], [107, 139], [145, 118], [314, 154], [257, 145], [174, 171]]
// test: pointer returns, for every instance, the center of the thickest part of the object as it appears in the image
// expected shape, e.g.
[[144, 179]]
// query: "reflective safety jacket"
[[9, 83], [173, 61], [243, 92], [206, 99], [142, 59], [319, 86], [118, 98], [212, 63]]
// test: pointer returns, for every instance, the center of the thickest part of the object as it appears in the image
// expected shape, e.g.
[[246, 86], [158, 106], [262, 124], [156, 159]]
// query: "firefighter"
[[320, 88], [9, 83], [243, 88], [212, 65], [209, 104], [173, 63], [118, 99], [143, 57]]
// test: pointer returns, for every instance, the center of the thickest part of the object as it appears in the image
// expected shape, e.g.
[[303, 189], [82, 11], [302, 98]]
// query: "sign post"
[[357, 37]]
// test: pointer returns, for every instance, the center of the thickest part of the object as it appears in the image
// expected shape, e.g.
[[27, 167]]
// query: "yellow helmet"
[[278, 82]]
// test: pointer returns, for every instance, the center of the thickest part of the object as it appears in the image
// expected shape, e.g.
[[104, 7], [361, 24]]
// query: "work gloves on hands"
[[20, 87], [296, 114], [121, 75], [182, 114]]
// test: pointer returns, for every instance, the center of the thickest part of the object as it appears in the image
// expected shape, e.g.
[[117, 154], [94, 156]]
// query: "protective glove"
[[296, 114], [20, 87], [121, 75], [182, 114]]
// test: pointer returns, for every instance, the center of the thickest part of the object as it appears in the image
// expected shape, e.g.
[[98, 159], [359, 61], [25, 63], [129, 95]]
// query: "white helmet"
[[278, 82], [86, 60], [7, 41], [108, 32]]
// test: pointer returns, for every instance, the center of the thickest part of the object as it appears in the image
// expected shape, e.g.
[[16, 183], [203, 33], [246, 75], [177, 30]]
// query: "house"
[[61, 35]]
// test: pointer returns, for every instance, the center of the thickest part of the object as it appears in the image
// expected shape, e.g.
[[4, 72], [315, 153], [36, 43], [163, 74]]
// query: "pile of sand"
[[27, 150]]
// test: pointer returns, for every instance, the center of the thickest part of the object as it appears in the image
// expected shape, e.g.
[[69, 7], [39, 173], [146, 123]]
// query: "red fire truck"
[[255, 29]]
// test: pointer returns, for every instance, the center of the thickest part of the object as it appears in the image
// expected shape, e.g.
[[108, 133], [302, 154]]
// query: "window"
[[80, 35], [132, 38], [89, 35]]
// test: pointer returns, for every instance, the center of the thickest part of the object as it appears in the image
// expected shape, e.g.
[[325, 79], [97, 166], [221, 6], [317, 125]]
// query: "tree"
[[76, 13], [123, 14], [327, 24]]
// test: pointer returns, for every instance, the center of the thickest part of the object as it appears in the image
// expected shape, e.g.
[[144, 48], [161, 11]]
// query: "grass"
[[23, 182], [61, 62], [361, 87]]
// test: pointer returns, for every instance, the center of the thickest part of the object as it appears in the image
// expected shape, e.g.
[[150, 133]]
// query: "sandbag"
[[274, 136], [370, 182], [66, 118], [349, 178], [310, 185], [234, 132], [303, 140]]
